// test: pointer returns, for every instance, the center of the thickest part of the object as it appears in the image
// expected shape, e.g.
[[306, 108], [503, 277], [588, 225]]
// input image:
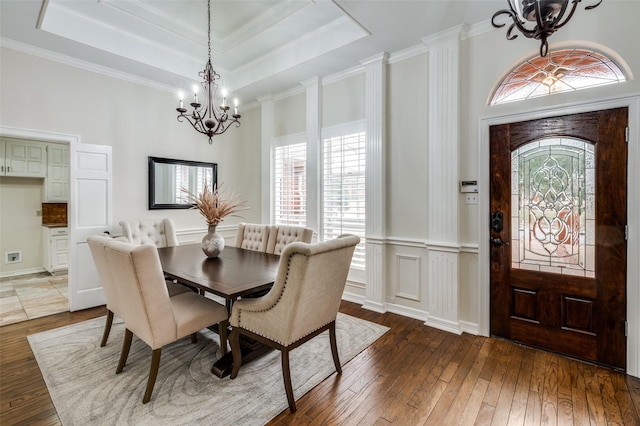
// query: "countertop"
[[54, 225]]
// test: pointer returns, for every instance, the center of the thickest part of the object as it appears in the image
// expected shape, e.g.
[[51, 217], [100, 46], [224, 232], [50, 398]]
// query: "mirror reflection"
[[167, 177]]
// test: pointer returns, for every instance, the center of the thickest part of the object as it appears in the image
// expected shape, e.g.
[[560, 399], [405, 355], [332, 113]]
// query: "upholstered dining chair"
[[252, 236], [96, 243], [143, 302], [302, 303], [160, 233], [281, 235]]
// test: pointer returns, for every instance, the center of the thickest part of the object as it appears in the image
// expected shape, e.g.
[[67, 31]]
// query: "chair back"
[[306, 294], [142, 293], [96, 245], [160, 233], [281, 235], [252, 236]]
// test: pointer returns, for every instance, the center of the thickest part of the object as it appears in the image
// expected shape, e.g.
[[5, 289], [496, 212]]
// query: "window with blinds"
[[290, 192], [343, 190]]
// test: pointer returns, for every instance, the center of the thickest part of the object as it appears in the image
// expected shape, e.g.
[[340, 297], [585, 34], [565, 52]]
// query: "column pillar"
[[443, 247], [375, 198]]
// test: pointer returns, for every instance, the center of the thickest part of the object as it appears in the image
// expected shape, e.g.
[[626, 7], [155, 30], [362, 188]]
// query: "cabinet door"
[[59, 252], [28, 159], [57, 181]]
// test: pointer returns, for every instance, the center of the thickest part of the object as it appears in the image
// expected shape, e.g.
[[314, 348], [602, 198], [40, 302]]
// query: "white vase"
[[212, 243]]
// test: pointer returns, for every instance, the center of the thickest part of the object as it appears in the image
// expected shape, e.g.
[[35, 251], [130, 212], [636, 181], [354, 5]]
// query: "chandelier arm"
[[593, 6], [186, 117], [508, 12]]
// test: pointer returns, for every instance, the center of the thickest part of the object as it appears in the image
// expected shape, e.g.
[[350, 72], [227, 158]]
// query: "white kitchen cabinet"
[[24, 158], [55, 242], [57, 180]]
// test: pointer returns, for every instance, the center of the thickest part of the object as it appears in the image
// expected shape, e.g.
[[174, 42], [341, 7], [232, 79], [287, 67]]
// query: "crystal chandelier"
[[211, 118], [547, 15]]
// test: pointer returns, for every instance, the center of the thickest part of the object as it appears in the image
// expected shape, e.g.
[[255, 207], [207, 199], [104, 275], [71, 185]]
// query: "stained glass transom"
[[553, 206], [559, 71]]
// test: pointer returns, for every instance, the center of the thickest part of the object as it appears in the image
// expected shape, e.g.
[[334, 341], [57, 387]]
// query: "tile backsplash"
[[54, 213]]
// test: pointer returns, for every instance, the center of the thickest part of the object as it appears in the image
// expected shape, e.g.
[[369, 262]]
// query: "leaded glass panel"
[[552, 206]]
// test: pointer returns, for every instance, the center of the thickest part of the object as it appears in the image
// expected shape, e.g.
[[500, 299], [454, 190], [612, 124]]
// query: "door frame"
[[74, 143], [633, 205]]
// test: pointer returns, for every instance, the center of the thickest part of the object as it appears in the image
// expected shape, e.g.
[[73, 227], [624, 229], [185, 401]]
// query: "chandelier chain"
[[209, 26]]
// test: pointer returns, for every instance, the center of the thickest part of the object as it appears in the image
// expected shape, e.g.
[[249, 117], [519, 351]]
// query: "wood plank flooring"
[[413, 375]]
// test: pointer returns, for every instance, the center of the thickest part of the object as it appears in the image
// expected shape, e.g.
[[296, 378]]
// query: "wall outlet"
[[38, 212], [13, 257], [471, 198]]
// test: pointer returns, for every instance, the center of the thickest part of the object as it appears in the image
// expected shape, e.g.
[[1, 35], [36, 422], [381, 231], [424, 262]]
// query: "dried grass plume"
[[216, 205]]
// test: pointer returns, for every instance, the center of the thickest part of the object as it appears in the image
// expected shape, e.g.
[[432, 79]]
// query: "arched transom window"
[[559, 71]]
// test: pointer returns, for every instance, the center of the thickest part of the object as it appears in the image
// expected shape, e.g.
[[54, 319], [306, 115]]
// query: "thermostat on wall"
[[468, 186]]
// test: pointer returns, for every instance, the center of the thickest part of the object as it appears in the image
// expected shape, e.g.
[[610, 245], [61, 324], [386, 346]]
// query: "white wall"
[[20, 225], [136, 120]]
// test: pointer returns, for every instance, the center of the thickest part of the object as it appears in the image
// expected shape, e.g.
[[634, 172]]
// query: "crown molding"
[[84, 65]]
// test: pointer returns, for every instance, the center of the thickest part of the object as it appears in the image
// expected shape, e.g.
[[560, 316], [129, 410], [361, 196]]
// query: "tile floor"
[[31, 296]]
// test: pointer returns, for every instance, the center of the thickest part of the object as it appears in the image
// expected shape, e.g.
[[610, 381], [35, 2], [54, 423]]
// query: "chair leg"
[[153, 373], [334, 347], [107, 328], [234, 340], [194, 338], [286, 374], [126, 345], [222, 329]]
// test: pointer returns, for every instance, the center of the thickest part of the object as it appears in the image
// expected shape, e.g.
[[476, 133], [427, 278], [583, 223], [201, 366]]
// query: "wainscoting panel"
[[408, 273]]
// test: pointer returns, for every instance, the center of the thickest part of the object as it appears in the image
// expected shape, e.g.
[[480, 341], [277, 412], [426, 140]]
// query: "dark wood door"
[[558, 240]]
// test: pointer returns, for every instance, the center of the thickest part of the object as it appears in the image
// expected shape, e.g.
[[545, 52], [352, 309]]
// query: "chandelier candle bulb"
[[235, 106]]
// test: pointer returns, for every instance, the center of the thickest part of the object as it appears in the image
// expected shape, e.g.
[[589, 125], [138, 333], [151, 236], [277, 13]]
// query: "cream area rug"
[[81, 379]]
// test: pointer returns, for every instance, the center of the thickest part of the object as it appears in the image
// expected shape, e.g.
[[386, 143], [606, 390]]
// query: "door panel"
[[558, 262], [91, 201]]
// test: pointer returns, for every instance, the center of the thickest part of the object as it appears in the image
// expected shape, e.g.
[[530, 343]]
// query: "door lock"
[[496, 221], [497, 241]]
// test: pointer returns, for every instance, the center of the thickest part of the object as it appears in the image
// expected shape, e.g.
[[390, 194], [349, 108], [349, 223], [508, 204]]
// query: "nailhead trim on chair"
[[279, 297]]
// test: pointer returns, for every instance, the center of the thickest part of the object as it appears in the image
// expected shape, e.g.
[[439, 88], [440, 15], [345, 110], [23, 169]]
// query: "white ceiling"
[[258, 46]]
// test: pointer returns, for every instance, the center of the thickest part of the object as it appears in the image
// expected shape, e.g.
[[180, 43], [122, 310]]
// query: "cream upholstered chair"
[[281, 235], [143, 302], [96, 243], [252, 236], [160, 233], [302, 303]]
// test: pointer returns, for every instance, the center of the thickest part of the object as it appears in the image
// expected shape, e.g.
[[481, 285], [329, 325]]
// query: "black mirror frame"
[[152, 180]]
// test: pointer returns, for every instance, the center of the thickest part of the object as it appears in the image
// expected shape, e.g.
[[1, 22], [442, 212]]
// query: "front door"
[[558, 245]]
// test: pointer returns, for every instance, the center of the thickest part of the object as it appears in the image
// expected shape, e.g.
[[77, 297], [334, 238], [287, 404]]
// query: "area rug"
[[81, 379]]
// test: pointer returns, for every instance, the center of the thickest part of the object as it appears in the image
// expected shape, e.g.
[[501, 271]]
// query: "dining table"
[[235, 273]]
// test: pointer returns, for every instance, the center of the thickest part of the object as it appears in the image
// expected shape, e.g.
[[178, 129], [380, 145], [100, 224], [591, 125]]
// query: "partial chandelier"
[[212, 118], [547, 14]]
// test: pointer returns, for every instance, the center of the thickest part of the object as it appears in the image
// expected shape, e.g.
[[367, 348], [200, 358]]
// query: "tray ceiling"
[[257, 46]]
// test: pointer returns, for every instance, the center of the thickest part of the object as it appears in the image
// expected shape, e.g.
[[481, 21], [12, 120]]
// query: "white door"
[[90, 211]]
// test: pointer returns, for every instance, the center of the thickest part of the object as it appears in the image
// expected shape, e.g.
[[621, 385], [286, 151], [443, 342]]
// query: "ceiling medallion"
[[547, 15], [212, 118]]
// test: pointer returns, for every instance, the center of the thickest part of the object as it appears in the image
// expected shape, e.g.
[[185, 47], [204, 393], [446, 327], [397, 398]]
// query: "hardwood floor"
[[412, 375]]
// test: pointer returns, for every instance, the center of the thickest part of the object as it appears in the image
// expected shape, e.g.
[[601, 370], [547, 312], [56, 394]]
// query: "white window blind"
[[290, 192], [343, 190]]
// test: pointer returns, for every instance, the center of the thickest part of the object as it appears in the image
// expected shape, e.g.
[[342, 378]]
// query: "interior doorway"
[[558, 259]]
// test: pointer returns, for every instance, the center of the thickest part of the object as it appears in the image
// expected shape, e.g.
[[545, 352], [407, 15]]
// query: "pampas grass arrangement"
[[216, 205]]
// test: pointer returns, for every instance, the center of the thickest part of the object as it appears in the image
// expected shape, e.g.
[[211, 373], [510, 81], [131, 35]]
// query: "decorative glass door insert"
[[553, 206]]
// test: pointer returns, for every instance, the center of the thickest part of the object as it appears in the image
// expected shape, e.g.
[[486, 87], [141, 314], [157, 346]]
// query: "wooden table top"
[[236, 272]]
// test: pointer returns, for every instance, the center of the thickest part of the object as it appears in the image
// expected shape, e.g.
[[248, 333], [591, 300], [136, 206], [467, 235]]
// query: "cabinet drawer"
[[58, 231]]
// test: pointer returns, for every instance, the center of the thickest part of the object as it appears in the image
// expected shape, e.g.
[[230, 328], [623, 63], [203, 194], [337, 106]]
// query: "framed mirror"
[[167, 177]]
